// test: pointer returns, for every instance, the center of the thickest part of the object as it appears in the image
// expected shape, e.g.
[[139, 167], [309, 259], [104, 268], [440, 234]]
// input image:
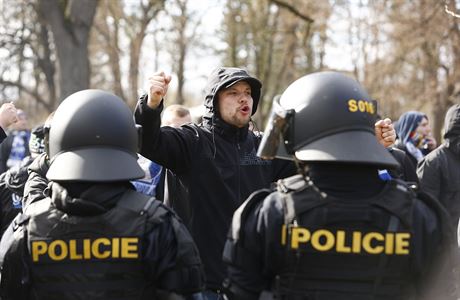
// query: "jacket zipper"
[[239, 165]]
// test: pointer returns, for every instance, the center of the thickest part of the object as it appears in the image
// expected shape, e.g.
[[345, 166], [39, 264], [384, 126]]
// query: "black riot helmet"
[[93, 138], [324, 117]]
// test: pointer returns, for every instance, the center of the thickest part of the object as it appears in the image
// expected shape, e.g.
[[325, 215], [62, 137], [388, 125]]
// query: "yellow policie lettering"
[[361, 105], [358, 242], [85, 249]]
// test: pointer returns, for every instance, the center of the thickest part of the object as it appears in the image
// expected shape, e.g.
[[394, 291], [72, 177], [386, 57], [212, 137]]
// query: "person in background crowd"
[[8, 116], [12, 182], [414, 135], [152, 184], [439, 170], [335, 230], [94, 232], [16, 145], [176, 115], [37, 182], [215, 161]]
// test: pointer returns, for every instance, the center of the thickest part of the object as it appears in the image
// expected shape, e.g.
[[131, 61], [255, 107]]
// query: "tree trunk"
[[70, 24], [134, 54], [47, 66], [110, 35]]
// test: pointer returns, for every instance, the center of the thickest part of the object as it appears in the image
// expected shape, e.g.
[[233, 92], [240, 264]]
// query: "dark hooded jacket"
[[12, 184], [438, 171], [217, 164]]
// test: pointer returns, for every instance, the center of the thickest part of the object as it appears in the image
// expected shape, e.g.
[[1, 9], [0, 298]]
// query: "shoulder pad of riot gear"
[[294, 183], [243, 211]]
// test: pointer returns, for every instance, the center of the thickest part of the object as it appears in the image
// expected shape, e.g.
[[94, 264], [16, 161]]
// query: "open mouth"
[[245, 109]]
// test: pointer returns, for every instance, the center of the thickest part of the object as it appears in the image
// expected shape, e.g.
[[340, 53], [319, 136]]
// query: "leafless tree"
[[136, 31], [70, 22], [27, 69], [275, 41], [184, 32]]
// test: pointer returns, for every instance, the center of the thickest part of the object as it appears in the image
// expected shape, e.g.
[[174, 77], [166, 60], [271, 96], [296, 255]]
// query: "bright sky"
[[337, 51]]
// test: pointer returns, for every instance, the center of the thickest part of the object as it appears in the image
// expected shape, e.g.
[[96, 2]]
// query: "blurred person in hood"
[[414, 135], [438, 171]]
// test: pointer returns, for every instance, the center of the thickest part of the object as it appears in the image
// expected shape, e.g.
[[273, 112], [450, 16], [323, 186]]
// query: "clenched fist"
[[385, 132], [157, 88], [8, 115]]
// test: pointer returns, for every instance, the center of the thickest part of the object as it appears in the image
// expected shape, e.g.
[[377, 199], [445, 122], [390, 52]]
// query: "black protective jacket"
[[118, 244], [439, 171], [406, 169], [313, 238], [217, 163]]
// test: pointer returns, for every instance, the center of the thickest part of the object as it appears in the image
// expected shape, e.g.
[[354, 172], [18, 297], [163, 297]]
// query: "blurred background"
[[406, 53]]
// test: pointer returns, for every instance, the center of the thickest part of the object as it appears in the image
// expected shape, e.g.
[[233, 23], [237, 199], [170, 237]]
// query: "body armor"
[[90, 257], [337, 247]]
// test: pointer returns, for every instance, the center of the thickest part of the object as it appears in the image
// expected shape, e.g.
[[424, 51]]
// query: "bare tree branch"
[[27, 91], [293, 10], [447, 10]]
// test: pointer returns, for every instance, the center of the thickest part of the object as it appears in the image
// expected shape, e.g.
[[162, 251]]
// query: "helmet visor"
[[272, 144]]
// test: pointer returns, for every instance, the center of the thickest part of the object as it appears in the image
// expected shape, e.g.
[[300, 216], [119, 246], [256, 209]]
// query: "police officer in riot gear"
[[94, 237], [336, 230]]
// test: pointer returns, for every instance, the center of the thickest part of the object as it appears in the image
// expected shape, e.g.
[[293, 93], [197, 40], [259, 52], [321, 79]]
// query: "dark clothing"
[[37, 181], [439, 177], [344, 235], [217, 164], [174, 191], [412, 160], [11, 191], [2, 135], [102, 241], [406, 170], [439, 170]]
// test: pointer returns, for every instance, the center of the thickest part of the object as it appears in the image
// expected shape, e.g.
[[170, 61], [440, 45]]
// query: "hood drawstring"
[[255, 128], [213, 137]]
